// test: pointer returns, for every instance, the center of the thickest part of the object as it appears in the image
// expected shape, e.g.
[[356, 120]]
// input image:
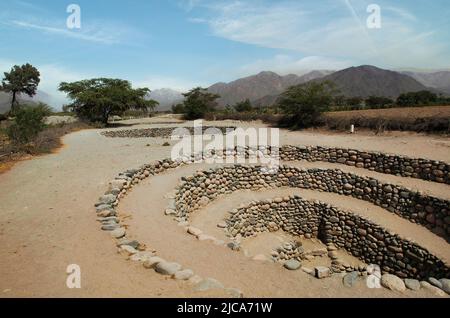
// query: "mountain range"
[[366, 80], [166, 97], [438, 80], [258, 86], [5, 100], [263, 89]]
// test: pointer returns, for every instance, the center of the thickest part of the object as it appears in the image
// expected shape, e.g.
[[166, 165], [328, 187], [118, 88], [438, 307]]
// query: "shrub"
[[244, 106], [303, 104], [178, 109], [198, 102], [417, 98], [378, 102], [28, 122]]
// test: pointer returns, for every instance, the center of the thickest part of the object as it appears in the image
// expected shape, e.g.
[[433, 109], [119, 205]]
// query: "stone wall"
[[163, 132], [196, 190], [361, 238], [420, 168]]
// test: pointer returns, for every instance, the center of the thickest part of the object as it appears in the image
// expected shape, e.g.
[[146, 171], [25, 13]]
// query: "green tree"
[[303, 104], [244, 106], [339, 101], [21, 79], [354, 102], [198, 102], [178, 108], [28, 122], [378, 102], [421, 98], [99, 98]]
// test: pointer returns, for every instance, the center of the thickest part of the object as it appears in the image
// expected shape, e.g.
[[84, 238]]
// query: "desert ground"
[[398, 113], [48, 220]]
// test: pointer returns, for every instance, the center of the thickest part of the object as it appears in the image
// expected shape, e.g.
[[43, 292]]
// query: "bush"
[[28, 122], [178, 109], [303, 104], [244, 106], [198, 102], [378, 102], [417, 98]]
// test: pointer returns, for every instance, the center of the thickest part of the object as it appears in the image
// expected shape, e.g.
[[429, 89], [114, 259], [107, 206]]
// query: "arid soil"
[[47, 221], [395, 113]]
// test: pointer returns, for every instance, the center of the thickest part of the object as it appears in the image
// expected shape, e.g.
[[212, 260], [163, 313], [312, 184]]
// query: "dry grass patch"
[[46, 141]]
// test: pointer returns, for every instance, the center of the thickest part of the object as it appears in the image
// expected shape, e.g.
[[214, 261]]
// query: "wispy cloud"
[[332, 28], [401, 12], [98, 36]]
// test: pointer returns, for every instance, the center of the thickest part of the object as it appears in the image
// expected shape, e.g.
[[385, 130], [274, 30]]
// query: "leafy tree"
[[303, 104], [178, 108], [354, 102], [339, 101], [417, 98], [99, 98], [28, 122], [198, 102], [21, 79], [378, 102], [244, 106]]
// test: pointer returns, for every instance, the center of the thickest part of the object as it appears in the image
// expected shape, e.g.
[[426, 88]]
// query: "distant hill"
[[367, 80], [438, 80], [5, 100], [166, 97], [258, 86]]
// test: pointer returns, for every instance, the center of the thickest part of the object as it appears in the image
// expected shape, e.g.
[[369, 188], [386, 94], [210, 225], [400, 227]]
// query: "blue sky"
[[182, 44]]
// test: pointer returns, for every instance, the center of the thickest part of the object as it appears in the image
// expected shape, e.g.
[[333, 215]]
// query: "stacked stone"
[[363, 239], [133, 249], [425, 169], [398, 256], [164, 132], [288, 251], [204, 186]]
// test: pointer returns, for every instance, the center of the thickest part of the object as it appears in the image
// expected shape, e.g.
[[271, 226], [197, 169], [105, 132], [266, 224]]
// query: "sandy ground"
[[396, 113], [47, 222]]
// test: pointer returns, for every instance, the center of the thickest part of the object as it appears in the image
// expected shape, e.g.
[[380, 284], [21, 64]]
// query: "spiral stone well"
[[361, 238]]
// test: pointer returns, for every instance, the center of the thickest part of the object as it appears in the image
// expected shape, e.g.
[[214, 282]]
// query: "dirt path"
[[47, 219]]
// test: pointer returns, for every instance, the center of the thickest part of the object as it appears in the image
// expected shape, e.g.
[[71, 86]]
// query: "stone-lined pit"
[[361, 238], [199, 189]]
